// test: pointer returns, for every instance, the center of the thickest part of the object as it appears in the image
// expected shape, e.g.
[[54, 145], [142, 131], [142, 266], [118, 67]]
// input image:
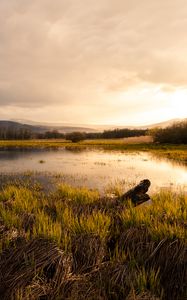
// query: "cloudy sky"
[[93, 62]]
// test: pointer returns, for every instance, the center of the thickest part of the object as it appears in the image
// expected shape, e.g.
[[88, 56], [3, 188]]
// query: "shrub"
[[75, 136], [176, 134]]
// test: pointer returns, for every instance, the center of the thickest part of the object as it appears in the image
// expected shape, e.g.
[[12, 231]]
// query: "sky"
[[93, 62]]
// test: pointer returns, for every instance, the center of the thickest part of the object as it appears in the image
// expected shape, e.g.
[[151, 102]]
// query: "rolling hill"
[[42, 128]]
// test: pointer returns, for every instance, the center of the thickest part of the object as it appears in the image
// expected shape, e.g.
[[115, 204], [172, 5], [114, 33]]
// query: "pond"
[[96, 168]]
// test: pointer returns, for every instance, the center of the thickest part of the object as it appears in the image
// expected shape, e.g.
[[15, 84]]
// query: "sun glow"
[[159, 104], [179, 103]]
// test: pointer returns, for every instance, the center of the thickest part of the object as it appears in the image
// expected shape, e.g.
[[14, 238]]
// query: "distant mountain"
[[16, 125], [43, 128]]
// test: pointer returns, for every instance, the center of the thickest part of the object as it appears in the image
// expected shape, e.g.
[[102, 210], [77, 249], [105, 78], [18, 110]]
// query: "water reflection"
[[76, 149], [12, 154], [96, 168]]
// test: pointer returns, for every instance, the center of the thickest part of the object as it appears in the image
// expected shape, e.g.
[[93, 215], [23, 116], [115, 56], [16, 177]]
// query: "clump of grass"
[[31, 263], [46, 227], [146, 279], [41, 161], [9, 218], [77, 195], [19, 198], [97, 223], [164, 217]]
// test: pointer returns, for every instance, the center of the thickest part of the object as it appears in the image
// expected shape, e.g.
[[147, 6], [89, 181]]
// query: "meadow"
[[74, 244]]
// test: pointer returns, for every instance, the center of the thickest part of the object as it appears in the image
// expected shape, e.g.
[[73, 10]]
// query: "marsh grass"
[[73, 244]]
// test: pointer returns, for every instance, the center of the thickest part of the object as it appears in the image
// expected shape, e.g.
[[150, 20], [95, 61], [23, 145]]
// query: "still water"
[[96, 168]]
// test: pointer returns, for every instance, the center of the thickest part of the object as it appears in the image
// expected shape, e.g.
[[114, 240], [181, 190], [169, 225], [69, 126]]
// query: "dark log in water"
[[138, 194]]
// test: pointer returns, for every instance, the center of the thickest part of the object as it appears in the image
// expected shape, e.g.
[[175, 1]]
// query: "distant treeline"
[[24, 134], [117, 133], [175, 134], [7, 133]]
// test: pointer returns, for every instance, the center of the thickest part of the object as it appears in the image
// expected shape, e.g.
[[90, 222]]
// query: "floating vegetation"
[[41, 161]]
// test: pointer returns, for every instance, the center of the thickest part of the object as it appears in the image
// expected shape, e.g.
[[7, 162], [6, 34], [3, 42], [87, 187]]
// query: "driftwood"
[[138, 194]]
